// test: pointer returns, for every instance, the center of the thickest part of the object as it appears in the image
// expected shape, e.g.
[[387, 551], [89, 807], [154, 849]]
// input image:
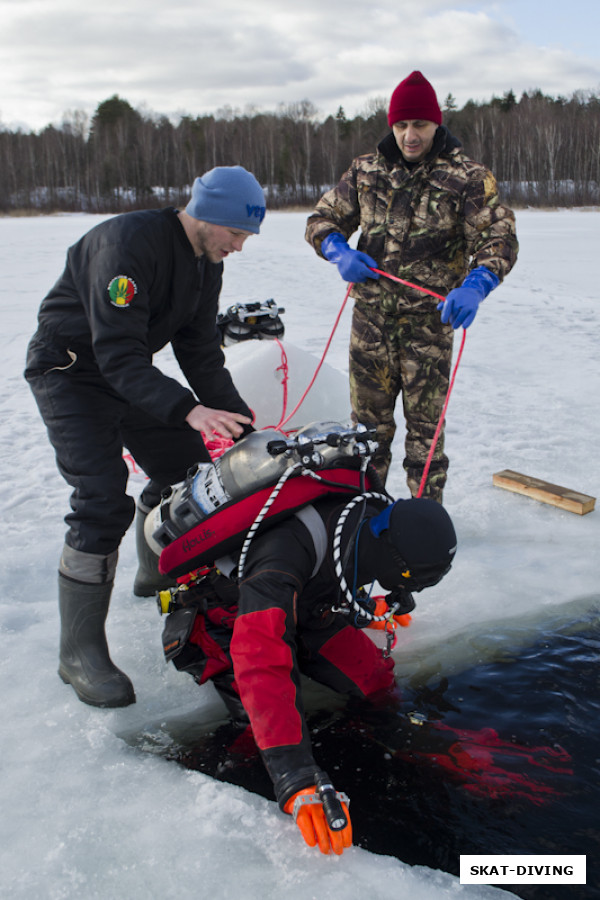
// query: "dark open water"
[[503, 758]]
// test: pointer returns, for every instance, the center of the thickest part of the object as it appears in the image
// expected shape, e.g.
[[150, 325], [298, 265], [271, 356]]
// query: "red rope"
[[285, 369], [451, 385], [283, 421], [441, 421], [217, 446], [423, 290], [409, 284]]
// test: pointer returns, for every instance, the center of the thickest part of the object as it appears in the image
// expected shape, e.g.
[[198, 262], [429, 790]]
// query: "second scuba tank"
[[209, 514], [244, 468]]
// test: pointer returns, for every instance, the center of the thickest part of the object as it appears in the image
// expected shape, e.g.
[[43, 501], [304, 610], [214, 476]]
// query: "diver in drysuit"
[[291, 613]]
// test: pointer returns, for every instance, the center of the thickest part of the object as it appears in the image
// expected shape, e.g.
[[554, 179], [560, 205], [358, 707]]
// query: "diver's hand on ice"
[[322, 816]]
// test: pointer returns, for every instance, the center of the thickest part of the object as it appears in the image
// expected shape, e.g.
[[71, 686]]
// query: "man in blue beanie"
[[227, 206], [131, 285]]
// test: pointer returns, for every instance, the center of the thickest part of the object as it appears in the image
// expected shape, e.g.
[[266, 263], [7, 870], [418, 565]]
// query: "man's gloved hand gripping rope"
[[458, 309]]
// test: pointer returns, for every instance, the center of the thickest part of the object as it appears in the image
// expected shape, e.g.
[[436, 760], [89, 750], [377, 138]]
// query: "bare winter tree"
[[541, 149]]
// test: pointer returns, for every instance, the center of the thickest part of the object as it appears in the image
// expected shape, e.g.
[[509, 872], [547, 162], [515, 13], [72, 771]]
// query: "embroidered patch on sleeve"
[[121, 290]]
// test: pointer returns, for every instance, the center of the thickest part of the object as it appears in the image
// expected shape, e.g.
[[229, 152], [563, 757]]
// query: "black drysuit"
[[131, 285], [256, 640]]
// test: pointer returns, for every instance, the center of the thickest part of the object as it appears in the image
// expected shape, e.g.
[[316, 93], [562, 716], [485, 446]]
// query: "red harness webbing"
[[223, 531]]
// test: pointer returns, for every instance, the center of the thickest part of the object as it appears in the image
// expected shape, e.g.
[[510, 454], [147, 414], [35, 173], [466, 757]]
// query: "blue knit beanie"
[[229, 196]]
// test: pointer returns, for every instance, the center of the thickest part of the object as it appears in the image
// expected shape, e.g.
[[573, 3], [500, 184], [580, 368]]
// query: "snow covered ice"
[[84, 814]]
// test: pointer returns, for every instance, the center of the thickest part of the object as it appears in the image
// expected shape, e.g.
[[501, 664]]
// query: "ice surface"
[[85, 815]]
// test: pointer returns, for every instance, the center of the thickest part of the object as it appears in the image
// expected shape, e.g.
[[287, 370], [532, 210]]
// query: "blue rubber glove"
[[352, 265], [461, 305]]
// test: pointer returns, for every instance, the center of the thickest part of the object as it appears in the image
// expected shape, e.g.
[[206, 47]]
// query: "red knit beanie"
[[414, 98]]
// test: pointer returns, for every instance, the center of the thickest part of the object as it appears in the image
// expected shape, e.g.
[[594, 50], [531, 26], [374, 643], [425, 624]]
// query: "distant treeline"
[[543, 151]]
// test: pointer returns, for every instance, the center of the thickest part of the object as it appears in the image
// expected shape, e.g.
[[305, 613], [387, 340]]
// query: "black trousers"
[[89, 426]]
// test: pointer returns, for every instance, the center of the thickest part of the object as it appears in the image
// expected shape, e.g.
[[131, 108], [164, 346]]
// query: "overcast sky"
[[197, 56]]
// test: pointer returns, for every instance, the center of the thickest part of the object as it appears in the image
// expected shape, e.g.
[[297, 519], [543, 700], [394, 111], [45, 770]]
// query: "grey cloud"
[[177, 56]]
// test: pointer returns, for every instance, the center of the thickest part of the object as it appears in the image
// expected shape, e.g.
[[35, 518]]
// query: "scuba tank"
[[209, 514]]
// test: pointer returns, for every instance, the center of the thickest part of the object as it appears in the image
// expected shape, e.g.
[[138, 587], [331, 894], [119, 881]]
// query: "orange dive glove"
[[321, 814], [381, 608]]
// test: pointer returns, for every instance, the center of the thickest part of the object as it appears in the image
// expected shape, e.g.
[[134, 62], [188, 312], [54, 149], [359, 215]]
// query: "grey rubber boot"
[[85, 662], [148, 579]]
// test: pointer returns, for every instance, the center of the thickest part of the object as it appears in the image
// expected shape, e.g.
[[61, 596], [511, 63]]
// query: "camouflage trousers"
[[408, 355]]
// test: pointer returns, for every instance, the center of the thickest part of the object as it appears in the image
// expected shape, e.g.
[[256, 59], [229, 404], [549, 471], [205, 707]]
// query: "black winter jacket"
[[130, 286]]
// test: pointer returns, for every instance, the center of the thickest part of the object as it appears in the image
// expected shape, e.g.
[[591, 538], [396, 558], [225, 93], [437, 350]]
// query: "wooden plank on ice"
[[572, 501]]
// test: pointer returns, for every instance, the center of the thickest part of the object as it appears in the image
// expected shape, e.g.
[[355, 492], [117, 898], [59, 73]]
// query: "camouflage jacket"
[[429, 223]]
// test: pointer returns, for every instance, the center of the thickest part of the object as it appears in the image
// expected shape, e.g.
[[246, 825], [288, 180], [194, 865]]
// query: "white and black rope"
[[263, 512], [337, 555]]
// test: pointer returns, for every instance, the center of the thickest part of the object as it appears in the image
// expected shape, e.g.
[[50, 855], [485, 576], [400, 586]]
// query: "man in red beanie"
[[414, 116], [431, 216]]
